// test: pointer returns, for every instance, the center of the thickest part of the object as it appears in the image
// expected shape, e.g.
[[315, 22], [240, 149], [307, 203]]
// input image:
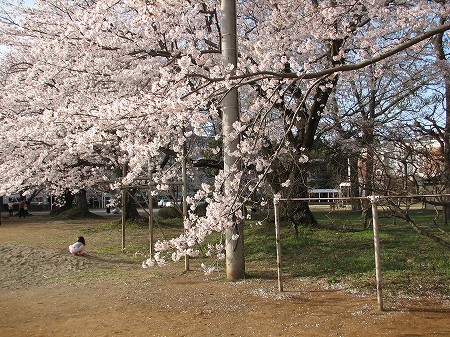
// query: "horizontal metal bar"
[[418, 196]]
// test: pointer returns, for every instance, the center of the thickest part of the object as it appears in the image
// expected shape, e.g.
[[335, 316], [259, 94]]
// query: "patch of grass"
[[411, 264], [169, 222], [111, 226], [340, 251]]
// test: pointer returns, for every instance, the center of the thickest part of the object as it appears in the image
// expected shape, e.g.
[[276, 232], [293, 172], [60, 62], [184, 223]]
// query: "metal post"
[[278, 242], [376, 240]]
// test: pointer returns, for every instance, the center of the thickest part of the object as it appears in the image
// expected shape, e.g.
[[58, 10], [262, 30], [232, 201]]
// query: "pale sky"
[[27, 3]]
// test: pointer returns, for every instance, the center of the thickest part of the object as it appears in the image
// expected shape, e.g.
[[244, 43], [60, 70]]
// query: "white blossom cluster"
[[87, 87]]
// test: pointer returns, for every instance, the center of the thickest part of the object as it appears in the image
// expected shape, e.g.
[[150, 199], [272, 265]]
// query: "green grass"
[[411, 263], [339, 251]]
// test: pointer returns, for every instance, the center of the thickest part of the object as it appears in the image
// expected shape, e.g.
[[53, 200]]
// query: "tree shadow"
[[98, 258], [261, 274], [418, 309]]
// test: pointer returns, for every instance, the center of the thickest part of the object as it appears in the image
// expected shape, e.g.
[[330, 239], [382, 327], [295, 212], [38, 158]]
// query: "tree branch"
[[348, 67]]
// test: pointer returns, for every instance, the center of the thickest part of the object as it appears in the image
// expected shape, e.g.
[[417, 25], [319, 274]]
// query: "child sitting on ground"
[[79, 247]]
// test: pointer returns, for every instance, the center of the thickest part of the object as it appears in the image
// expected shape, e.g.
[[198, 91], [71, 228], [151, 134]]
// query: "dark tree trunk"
[[67, 204], [81, 210], [368, 189], [131, 206], [296, 212], [354, 182], [81, 202], [68, 199]]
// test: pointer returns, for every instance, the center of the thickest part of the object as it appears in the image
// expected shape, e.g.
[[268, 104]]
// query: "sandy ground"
[[47, 292]]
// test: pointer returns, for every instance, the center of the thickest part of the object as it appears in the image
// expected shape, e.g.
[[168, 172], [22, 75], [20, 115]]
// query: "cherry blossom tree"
[[366, 118], [136, 80]]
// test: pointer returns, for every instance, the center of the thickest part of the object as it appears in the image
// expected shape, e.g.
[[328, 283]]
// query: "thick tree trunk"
[[81, 200], [368, 189], [297, 213], [68, 199], [369, 166], [300, 214], [354, 182], [68, 210], [131, 207]]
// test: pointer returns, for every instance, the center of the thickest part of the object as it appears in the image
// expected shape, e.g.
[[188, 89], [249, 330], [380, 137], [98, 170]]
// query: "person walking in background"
[[22, 204], [11, 208]]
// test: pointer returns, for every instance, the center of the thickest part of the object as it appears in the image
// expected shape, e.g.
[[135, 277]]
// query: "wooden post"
[[1, 208], [376, 240], [278, 242], [124, 207], [150, 211], [184, 189]]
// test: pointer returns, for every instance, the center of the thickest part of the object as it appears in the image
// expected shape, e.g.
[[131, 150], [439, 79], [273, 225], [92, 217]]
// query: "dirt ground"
[[47, 292]]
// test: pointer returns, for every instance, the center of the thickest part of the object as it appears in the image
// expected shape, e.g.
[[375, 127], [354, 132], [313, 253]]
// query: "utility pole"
[[235, 261]]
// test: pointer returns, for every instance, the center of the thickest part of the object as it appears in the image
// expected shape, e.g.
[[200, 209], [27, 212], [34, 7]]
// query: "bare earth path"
[[47, 292]]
